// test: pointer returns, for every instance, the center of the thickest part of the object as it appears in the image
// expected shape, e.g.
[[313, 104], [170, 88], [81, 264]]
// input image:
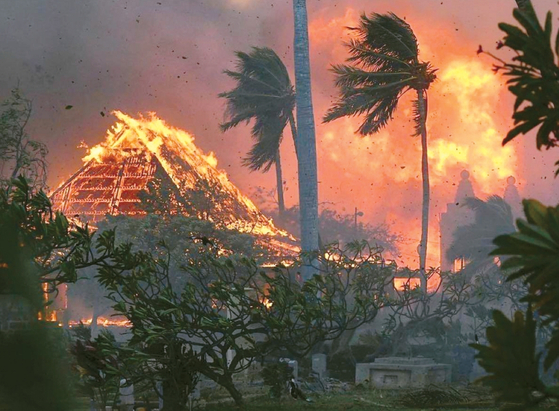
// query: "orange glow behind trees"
[[381, 173]]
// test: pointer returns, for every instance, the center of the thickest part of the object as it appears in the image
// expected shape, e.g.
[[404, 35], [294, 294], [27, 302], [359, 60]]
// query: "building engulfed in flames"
[[146, 155], [145, 163]]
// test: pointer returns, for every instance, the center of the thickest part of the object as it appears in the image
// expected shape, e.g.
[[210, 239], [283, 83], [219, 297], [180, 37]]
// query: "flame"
[[183, 162], [381, 174], [403, 283], [266, 302], [102, 321]]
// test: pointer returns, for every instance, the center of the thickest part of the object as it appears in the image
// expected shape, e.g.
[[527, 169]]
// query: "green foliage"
[[97, 365], [183, 238], [276, 377], [263, 93], [511, 360], [39, 245], [535, 259], [533, 76], [385, 65], [19, 154], [532, 253], [229, 304], [35, 370], [413, 313]]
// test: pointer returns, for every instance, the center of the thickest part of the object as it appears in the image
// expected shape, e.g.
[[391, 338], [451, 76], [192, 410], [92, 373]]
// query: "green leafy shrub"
[[276, 377]]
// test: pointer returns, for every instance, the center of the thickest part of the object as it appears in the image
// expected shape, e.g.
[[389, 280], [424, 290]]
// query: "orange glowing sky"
[[168, 57]]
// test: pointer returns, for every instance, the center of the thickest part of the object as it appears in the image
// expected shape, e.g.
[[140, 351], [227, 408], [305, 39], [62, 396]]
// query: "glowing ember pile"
[[142, 153]]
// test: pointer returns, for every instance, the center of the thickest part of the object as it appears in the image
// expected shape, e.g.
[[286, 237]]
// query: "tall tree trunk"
[[279, 182], [227, 382], [306, 141], [524, 5], [422, 105], [293, 133]]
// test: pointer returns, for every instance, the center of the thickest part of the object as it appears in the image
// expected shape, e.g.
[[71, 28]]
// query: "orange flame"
[[382, 173], [183, 162], [102, 321]]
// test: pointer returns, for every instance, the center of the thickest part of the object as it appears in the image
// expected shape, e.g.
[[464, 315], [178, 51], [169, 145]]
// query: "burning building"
[[140, 154], [145, 165]]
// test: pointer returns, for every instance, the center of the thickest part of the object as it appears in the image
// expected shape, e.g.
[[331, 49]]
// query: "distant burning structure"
[[143, 160]]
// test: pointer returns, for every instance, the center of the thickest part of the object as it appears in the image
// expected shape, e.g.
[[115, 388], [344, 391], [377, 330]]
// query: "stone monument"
[[399, 372], [319, 364]]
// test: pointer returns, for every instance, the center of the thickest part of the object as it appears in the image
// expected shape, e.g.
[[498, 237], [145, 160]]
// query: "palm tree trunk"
[[279, 182], [524, 5], [306, 142], [294, 134], [422, 105]]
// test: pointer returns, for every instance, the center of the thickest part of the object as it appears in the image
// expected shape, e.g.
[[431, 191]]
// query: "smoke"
[[168, 56]]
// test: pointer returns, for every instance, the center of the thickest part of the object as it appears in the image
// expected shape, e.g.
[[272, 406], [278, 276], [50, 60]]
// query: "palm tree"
[[263, 93], [306, 141], [385, 65]]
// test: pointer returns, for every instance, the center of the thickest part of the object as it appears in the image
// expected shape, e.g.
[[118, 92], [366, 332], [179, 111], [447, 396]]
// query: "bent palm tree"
[[264, 93], [306, 140], [385, 65]]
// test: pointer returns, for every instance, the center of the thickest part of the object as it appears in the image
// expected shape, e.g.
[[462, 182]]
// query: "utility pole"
[[357, 214]]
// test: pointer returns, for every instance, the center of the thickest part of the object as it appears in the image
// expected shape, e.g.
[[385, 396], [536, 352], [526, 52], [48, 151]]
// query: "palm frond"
[[383, 66], [268, 133], [350, 76], [264, 64], [377, 103], [389, 34], [363, 55], [417, 119], [263, 94], [384, 41]]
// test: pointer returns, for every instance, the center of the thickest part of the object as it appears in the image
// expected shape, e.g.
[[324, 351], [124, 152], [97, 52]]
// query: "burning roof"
[[145, 155]]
